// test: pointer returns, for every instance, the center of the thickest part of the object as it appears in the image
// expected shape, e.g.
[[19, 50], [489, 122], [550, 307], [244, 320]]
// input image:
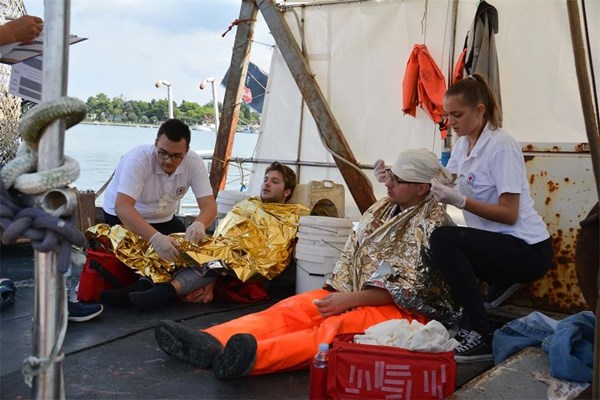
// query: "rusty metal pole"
[[591, 128], [50, 292], [585, 92]]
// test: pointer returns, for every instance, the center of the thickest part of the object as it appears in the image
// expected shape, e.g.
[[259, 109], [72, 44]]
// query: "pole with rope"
[[50, 291]]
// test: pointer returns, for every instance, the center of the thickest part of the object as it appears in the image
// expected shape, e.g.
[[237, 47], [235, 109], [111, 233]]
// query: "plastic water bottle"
[[318, 374]]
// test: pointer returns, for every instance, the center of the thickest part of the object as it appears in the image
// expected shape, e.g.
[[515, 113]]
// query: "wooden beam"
[[593, 134], [357, 183], [585, 91], [233, 95]]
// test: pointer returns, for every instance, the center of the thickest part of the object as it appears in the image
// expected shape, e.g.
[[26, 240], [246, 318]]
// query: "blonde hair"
[[475, 90]]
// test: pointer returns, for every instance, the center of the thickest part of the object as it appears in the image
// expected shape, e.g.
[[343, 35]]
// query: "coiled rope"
[[17, 172], [45, 231]]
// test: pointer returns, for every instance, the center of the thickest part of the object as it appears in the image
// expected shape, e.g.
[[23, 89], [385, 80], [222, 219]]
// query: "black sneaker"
[[238, 357], [80, 312], [462, 334], [496, 294], [195, 347], [7, 292], [120, 297], [472, 348], [150, 299]]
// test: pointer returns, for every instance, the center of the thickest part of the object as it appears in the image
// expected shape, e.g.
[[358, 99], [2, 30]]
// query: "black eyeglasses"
[[391, 176], [164, 155]]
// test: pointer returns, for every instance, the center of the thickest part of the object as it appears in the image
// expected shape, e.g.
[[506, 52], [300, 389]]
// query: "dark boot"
[[238, 357], [119, 297], [195, 347], [153, 298]]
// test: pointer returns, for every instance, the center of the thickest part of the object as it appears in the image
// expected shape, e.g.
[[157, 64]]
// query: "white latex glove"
[[379, 171], [195, 232], [448, 195], [165, 246]]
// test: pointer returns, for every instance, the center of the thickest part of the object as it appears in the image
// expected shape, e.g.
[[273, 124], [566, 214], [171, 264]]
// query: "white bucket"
[[311, 276], [311, 220], [326, 227], [337, 242], [226, 199], [320, 243], [318, 249]]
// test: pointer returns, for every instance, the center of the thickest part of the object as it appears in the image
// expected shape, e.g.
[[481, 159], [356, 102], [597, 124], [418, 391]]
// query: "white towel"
[[430, 338]]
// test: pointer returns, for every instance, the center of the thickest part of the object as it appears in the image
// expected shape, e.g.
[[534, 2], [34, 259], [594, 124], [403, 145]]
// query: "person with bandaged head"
[[505, 242], [383, 273]]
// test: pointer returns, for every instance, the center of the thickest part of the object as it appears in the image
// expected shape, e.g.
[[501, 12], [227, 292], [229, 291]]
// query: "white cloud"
[[133, 43]]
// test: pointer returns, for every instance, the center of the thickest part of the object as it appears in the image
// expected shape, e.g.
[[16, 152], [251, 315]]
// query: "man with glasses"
[[149, 181]]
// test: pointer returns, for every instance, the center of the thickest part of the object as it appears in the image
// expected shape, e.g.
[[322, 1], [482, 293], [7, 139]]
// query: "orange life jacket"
[[424, 85], [459, 68]]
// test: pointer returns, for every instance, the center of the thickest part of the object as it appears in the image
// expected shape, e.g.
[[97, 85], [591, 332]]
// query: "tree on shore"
[[120, 110]]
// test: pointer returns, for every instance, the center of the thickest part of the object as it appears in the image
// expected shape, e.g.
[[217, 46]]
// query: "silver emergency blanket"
[[390, 250]]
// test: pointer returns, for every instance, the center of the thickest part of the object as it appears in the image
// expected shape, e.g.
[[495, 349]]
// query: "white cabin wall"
[[539, 84], [358, 52]]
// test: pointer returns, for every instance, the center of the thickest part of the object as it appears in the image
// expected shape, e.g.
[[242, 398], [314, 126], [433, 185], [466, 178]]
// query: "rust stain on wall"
[[556, 186]]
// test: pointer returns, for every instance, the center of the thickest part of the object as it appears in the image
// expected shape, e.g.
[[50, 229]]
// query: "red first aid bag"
[[103, 271], [361, 371]]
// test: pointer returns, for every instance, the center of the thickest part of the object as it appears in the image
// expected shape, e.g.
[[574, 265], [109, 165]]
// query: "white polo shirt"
[[139, 176], [496, 166]]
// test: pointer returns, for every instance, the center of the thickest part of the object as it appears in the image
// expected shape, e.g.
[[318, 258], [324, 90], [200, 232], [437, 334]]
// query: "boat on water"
[[247, 129], [205, 153], [355, 59], [203, 128]]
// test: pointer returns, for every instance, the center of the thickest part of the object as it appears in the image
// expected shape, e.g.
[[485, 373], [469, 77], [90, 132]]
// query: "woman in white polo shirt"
[[505, 242]]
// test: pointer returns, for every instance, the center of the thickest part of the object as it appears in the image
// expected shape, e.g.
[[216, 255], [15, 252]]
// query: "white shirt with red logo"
[[496, 166], [140, 176]]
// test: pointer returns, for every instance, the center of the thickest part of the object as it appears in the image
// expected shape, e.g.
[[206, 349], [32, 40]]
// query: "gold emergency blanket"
[[255, 238], [390, 250]]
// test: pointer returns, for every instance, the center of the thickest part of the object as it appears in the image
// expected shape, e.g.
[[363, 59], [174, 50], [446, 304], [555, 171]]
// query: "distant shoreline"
[[195, 128], [119, 124]]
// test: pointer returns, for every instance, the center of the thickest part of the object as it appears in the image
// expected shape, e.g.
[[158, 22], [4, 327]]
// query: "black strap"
[[106, 275]]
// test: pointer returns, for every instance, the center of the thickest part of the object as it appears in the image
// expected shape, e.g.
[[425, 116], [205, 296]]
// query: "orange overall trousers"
[[289, 332]]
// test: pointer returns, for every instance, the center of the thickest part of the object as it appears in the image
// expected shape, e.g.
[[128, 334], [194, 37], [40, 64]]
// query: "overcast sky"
[[134, 43]]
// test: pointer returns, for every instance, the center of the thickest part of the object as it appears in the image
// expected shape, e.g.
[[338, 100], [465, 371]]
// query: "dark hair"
[[175, 130], [474, 90], [288, 174]]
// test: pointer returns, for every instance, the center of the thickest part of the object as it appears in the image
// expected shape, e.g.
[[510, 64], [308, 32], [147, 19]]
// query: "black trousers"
[[466, 256], [173, 226]]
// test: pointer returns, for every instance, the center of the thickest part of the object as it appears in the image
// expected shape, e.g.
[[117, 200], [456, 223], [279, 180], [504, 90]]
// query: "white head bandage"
[[420, 165]]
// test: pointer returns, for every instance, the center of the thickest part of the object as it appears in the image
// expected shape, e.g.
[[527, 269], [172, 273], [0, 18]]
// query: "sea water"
[[98, 149]]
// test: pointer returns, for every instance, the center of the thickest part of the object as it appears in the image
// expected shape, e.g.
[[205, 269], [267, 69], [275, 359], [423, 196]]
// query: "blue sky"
[[134, 43]]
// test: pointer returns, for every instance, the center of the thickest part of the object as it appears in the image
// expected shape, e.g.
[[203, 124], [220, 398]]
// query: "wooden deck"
[[116, 355]]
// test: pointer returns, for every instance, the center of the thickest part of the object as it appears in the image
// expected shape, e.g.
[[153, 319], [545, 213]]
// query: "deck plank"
[[116, 355], [511, 379]]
